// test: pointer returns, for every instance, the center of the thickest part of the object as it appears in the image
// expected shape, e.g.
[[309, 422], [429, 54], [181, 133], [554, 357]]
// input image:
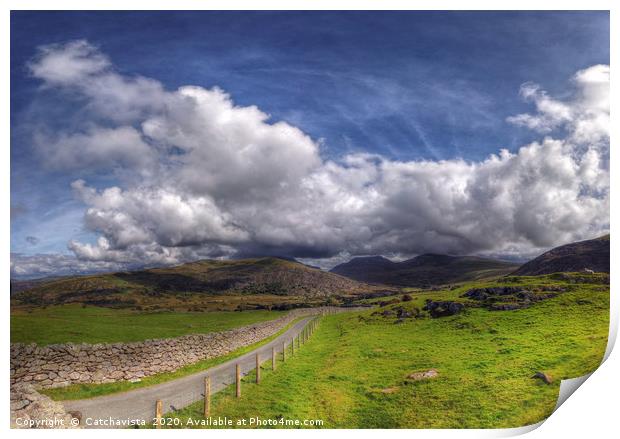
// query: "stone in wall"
[[30, 409]]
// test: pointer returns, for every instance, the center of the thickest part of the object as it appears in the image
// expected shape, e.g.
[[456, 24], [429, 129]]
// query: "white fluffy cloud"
[[68, 64], [585, 117], [97, 147], [216, 178]]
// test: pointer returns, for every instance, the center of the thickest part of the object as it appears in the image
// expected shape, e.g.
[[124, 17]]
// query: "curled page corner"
[[517, 431], [568, 387], [613, 333]]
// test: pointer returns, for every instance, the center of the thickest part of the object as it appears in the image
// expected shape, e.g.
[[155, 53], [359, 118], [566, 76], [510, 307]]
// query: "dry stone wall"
[[63, 364], [30, 409]]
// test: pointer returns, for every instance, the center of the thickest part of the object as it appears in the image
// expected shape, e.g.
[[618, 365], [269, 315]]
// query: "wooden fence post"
[[283, 351], [257, 368], [207, 411], [292, 346], [158, 413], [273, 358], [238, 374]]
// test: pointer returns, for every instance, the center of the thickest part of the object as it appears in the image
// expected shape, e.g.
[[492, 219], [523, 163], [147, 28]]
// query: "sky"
[[155, 138]]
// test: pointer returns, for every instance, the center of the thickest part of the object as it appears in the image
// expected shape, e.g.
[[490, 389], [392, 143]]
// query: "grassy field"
[[77, 324], [353, 373]]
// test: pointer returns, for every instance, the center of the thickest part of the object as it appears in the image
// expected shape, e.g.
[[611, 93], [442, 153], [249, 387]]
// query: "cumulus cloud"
[[231, 152], [81, 68], [585, 116], [143, 216], [229, 181], [68, 64], [97, 147]]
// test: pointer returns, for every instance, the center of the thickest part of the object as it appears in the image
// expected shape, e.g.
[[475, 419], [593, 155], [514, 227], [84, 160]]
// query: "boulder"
[[427, 374], [443, 309], [546, 378]]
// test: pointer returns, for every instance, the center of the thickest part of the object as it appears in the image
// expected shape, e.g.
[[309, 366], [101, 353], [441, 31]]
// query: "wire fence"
[[220, 378], [182, 392]]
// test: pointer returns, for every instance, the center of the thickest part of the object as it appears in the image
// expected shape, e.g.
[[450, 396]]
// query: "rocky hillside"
[[578, 256], [263, 276], [424, 270]]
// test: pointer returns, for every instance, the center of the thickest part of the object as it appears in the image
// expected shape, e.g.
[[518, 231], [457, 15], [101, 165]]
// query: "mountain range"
[[424, 270], [278, 281]]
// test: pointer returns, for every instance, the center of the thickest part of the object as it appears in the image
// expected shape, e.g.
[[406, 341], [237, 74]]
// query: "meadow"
[[75, 323], [354, 371]]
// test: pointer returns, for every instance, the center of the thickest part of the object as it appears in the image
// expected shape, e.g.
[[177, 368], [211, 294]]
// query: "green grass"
[[75, 324], [352, 373], [83, 391]]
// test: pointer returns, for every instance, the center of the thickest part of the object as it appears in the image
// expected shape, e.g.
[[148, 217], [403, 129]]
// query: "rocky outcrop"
[[30, 409], [63, 364], [508, 298], [443, 308], [486, 293]]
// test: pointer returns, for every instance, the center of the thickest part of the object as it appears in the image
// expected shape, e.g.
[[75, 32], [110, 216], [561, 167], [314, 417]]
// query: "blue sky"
[[407, 86]]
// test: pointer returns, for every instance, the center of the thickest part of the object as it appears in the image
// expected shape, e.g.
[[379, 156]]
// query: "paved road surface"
[[176, 394]]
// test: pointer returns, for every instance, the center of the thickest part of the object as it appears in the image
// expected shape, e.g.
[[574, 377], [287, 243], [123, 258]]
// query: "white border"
[[311, 5], [592, 411]]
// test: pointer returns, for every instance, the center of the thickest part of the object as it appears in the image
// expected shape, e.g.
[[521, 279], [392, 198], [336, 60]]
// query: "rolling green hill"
[[208, 284]]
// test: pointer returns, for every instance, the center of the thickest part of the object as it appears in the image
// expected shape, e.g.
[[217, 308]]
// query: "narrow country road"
[[139, 404]]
